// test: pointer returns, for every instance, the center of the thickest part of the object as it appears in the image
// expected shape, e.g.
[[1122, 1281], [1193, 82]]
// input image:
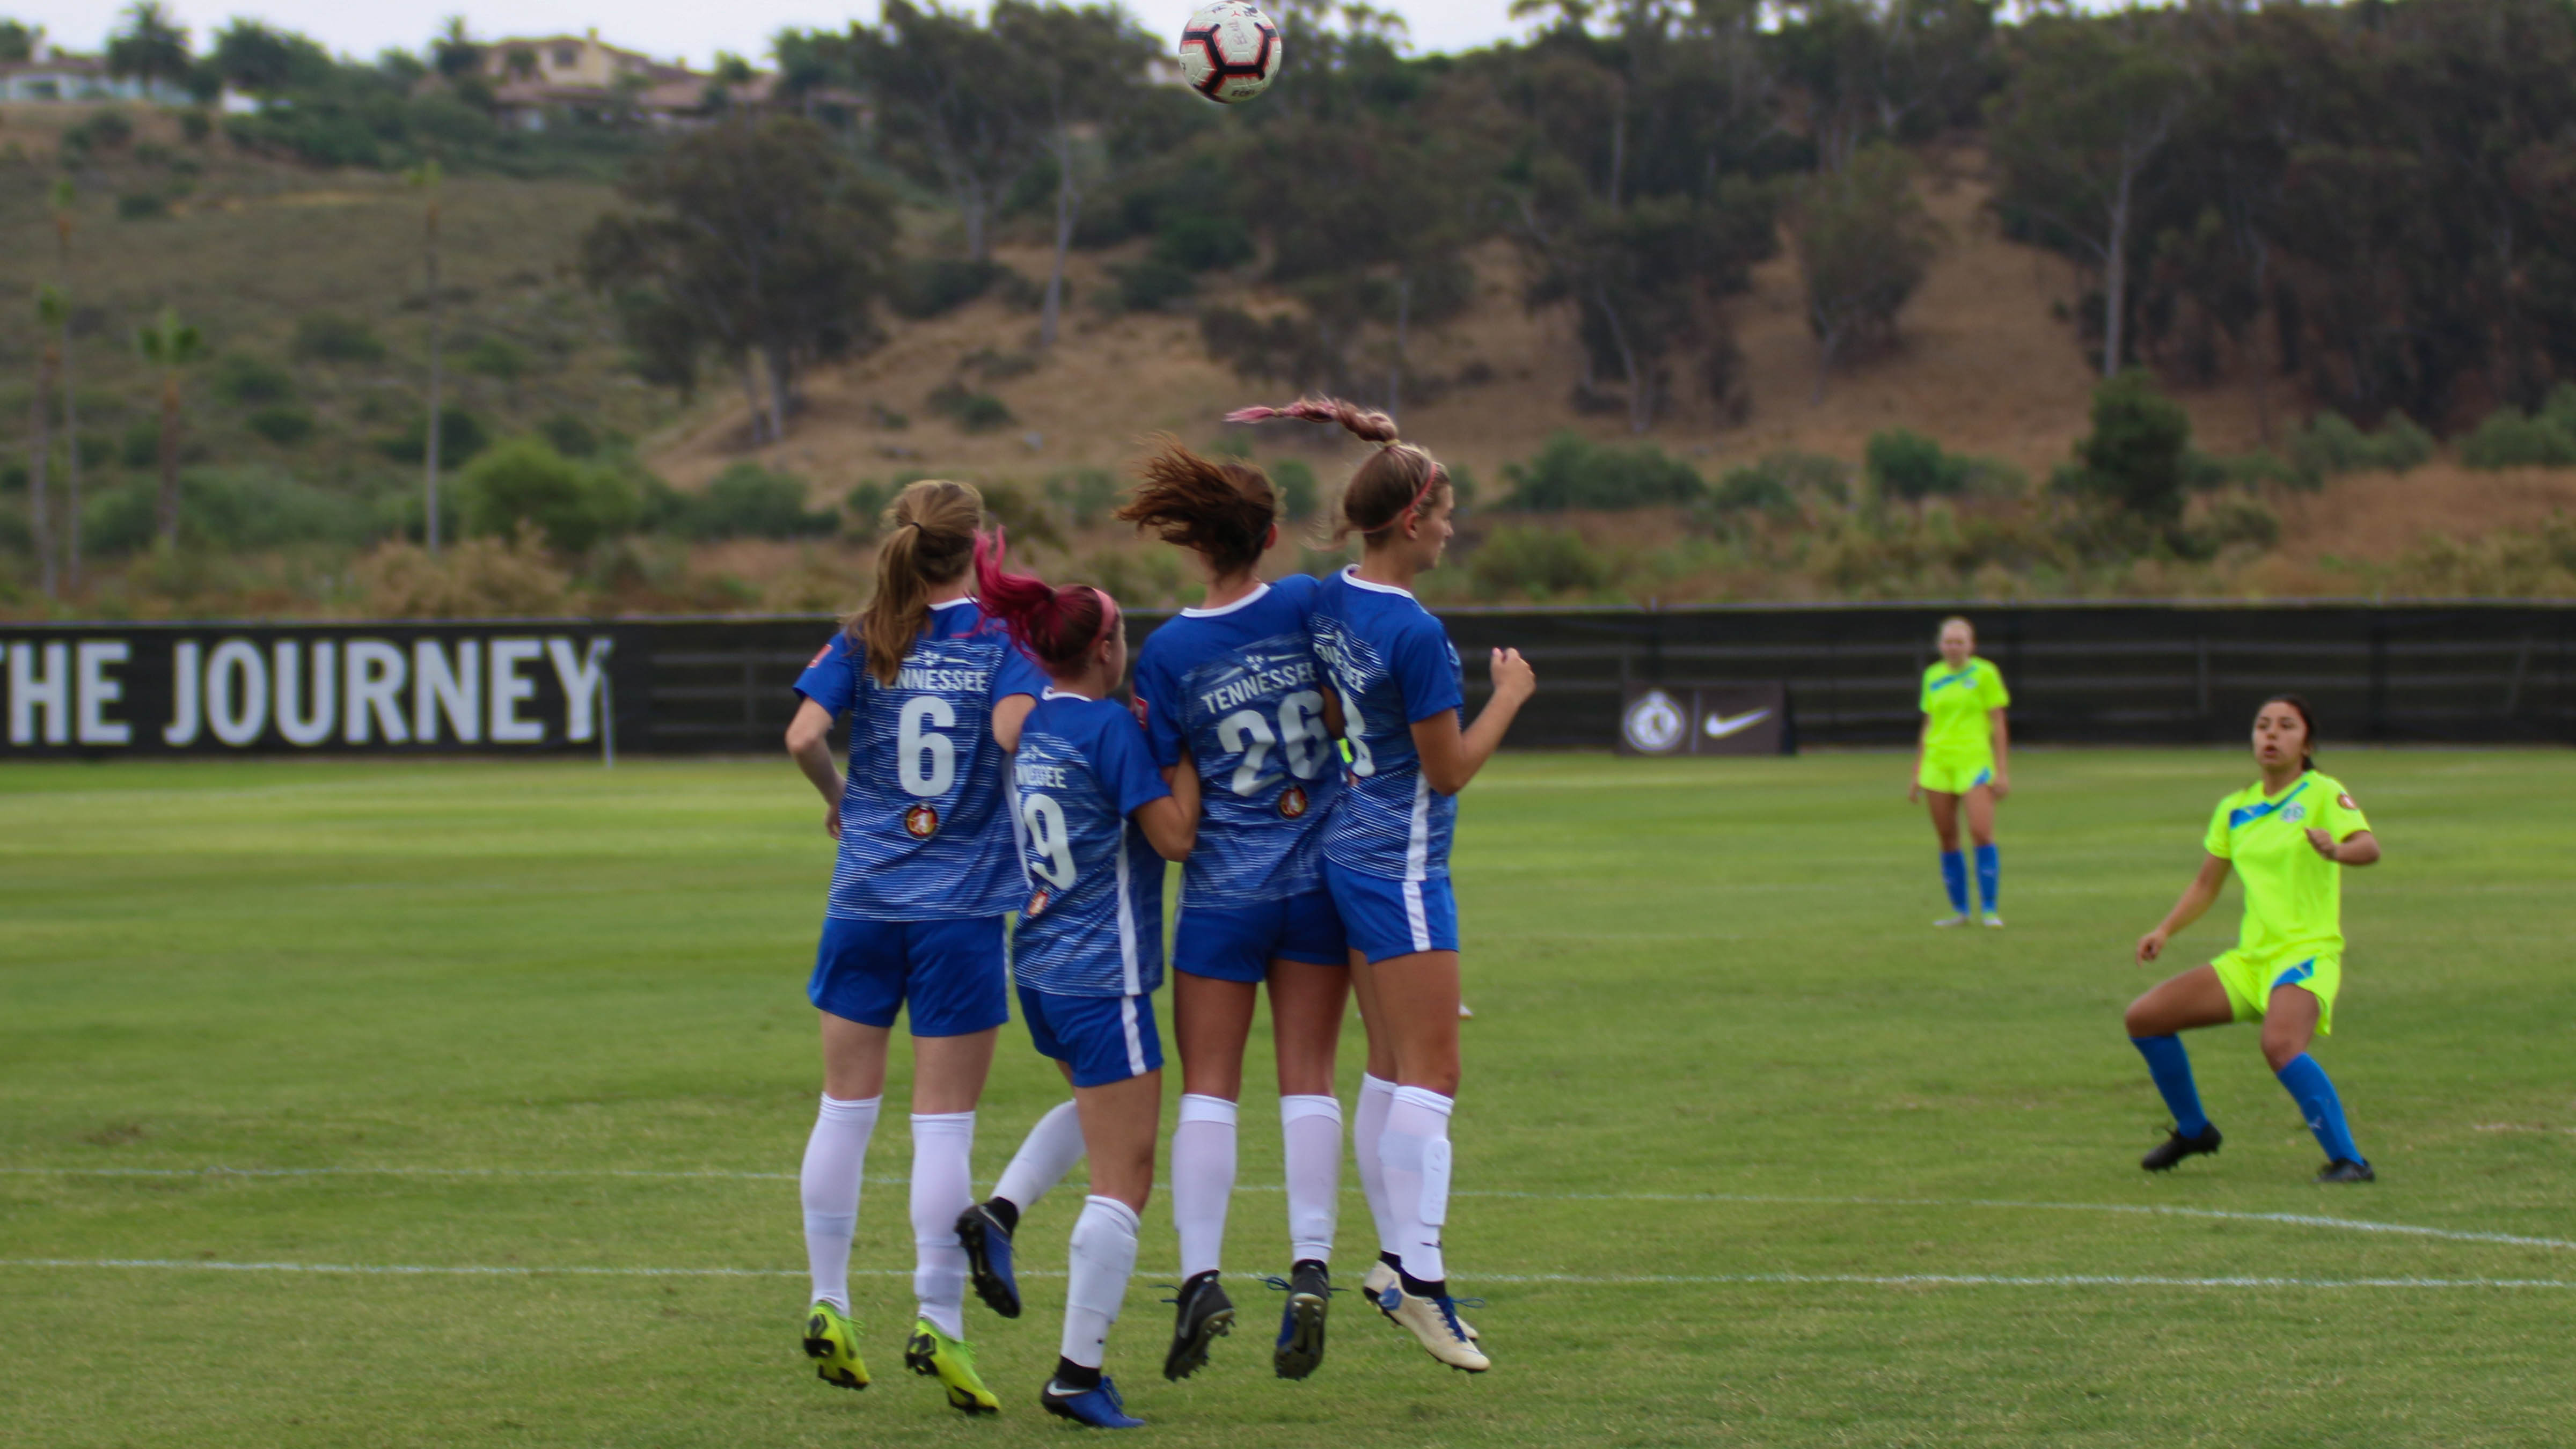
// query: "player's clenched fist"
[[1513, 675]]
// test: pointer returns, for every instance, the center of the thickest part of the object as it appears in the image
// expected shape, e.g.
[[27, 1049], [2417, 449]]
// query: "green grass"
[[1709, 981]]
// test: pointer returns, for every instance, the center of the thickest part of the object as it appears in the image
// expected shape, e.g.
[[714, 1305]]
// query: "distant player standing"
[[1097, 822], [1386, 852], [1235, 698], [2289, 835], [1964, 760], [926, 872]]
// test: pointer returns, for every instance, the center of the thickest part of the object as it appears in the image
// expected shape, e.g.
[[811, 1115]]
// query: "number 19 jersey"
[[925, 825], [1093, 921], [1394, 667], [1240, 688]]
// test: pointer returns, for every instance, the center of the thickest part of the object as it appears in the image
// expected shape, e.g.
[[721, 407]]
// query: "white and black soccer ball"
[[1229, 51]]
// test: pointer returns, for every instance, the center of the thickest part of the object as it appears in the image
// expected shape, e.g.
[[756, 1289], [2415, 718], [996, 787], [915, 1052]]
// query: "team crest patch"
[[1292, 801], [2295, 814], [921, 822], [1036, 904]]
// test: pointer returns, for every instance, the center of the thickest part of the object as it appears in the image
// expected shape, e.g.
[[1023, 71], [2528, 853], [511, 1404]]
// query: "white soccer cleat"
[[1957, 920], [1380, 1277], [1464, 1011], [1994, 921], [1434, 1323]]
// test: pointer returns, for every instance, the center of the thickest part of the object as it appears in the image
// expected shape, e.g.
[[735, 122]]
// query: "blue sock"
[[1954, 874], [2170, 1065], [2314, 1092], [1989, 875]]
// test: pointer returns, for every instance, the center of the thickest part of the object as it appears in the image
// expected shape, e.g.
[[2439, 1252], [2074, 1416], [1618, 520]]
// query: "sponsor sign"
[[1705, 719], [337, 689]]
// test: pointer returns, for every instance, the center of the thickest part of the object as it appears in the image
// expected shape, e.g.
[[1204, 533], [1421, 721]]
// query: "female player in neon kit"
[[1234, 698], [2289, 835], [1964, 758], [1386, 851], [927, 870], [1097, 822]]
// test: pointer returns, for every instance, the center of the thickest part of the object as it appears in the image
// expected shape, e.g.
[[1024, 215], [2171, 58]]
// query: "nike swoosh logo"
[[1719, 726]]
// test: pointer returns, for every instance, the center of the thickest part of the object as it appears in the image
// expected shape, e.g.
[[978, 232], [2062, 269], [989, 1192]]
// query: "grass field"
[[1747, 1153]]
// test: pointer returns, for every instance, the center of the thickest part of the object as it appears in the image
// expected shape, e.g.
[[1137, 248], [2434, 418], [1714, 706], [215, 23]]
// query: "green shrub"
[[196, 125], [142, 206], [2235, 519], [1153, 285], [973, 412], [284, 426], [1779, 480], [246, 381], [749, 501], [523, 480], [926, 287], [140, 445], [233, 508], [496, 359], [569, 435], [1571, 471], [1086, 493], [324, 337], [109, 129], [1535, 563], [1198, 242], [461, 435], [1909, 466], [2133, 459], [1298, 493], [2329, 444], [1752, 486], [2509, 438]]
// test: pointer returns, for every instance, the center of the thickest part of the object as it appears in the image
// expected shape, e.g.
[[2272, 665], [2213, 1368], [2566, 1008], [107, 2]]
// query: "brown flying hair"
[[929, 540], [1397, 480], [1222, 508]]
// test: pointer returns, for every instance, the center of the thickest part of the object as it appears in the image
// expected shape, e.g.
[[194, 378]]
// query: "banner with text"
[[222, 689], [1705, 719]]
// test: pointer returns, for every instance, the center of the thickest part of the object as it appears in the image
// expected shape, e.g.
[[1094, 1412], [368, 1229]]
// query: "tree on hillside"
[[454, 53], [1863, 244], [63, 202], [18, 40], [169, 345], [1879, 69], [258, 60], [151, 48], [426, 179], [762, 239], [2090, 106], [51, 312], [951, 108], [1087, 68]]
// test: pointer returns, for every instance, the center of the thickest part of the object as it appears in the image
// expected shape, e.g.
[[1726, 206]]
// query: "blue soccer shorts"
[[1104, 1039], [1240, 944], [1386, 918], [954, 975]]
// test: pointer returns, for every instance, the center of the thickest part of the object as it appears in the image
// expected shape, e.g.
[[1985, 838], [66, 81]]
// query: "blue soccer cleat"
[[988, 1259], [1101, 1408]]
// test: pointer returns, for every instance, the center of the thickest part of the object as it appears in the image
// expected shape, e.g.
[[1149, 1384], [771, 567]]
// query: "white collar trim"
[[1352, 576], [953, 603], [1245, 602], [1051, 692]]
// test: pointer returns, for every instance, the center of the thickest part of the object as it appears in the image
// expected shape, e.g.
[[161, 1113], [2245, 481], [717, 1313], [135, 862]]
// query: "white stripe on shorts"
[[1416, 919], [1135, 1043]]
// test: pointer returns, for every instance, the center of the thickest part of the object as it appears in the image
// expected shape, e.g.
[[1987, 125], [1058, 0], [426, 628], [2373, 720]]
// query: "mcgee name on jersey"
[[1039, 776]]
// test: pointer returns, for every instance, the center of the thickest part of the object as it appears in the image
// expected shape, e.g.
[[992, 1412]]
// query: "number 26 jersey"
[[925, 821], [1240, 688]]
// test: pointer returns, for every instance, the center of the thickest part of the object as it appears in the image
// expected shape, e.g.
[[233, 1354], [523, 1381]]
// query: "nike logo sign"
[[1719, 726]]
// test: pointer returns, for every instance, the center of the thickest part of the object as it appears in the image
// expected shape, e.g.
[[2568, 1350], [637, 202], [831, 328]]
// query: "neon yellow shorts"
[[1949, 779], [2250, 982]]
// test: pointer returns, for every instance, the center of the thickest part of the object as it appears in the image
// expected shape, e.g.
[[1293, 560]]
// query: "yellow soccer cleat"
[[934, 1355], [833, 1344]]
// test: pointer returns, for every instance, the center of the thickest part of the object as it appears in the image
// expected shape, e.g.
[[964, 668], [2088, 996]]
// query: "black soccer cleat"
[[1301, 1323], [2177, 1147], [988, 1259], [1205, 1315], [2346, 1170]]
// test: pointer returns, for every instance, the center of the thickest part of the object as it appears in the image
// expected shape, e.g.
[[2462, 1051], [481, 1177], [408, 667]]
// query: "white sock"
[[942, 1146], [1049, 1152], [1104, 1258], [1368, 1131], [1416, 1150], [1311, 1130], [835, 1158], [1202, 1180]]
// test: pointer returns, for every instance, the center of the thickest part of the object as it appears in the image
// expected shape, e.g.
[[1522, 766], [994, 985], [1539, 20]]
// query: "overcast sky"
[[663, 28]]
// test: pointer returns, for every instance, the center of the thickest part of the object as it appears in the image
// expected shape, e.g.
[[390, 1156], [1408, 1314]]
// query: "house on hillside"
[[534, 78], [49, 76]]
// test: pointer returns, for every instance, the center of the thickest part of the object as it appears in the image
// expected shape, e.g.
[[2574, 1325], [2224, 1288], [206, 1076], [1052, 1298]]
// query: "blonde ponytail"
[[929, 539]]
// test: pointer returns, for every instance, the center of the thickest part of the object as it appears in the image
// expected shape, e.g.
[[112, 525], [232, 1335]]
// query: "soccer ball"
[[1229, 51]]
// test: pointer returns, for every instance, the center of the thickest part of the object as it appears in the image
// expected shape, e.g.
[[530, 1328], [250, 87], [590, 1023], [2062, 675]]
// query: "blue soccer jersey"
[[1092, 924], [925, 824], [1239, 688], [1394, 667]]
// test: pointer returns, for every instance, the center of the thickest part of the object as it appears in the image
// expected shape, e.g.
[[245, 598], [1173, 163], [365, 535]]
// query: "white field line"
[[2301, 1220], [1899, 1280]]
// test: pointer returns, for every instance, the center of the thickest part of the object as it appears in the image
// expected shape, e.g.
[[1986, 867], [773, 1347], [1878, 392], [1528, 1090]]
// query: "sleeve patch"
[[819, 656], [2345, 800]]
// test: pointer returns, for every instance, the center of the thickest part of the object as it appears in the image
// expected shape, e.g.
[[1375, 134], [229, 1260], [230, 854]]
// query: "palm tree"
[[50, 310], [427, 178], [151, 48], [64, 197], [170, 344]]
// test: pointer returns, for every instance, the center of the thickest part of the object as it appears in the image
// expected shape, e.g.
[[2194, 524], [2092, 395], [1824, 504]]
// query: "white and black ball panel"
[[1229, 51]]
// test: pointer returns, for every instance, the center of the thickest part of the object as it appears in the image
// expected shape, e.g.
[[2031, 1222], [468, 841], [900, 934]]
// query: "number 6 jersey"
[[925, 823], [1239, 686], [1093, 921]]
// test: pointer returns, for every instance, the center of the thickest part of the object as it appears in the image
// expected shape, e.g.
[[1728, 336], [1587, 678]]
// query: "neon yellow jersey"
[[2293, 896], [1956, 701]]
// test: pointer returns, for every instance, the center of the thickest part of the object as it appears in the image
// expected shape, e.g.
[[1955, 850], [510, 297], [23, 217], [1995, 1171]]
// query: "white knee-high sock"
[[943, 1145], [1368, 1133], [1417, 1177], [1104, 1258], [836, 1157], [1049, 1152], [1310, 1128], [1202, 1180]]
